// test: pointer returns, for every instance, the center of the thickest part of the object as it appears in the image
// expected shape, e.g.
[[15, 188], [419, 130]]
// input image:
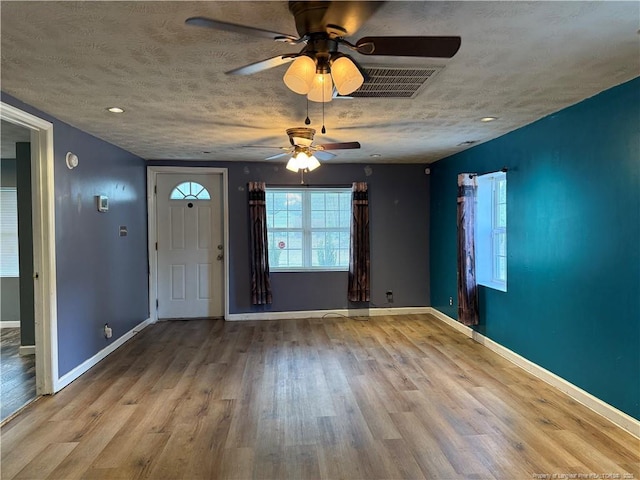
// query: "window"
[[308, 229], [9, 232], [491, 231], [189, 191]]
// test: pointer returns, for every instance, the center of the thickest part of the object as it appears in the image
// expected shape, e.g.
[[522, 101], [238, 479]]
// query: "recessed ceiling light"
[[115, 110], [488, 119], [375, 155]]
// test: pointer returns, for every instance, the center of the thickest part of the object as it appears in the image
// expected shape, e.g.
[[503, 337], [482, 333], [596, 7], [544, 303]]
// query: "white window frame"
[[307, 230], [488, 231]]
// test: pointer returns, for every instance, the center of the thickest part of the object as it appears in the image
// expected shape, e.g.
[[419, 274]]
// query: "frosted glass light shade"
[[299, 76], [301, 161], [321, 89], [312, 163], [346, 76], [292, 164]]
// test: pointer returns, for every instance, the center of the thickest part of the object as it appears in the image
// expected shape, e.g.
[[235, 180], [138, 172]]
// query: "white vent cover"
[[393, 82]]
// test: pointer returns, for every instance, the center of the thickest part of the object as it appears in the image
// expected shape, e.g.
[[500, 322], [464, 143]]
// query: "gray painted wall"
[[8, 172], [399, 229], [101, 277], [10, 304], [9, 286]]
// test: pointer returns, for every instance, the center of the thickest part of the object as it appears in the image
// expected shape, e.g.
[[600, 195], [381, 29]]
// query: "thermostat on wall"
[[103, 203]]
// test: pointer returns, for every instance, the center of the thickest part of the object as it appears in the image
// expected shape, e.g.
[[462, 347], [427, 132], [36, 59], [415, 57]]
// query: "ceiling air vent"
[[393, 82]]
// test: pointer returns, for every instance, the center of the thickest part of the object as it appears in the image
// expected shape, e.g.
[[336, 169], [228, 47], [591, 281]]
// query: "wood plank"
[[373, 410], [424, 447], [97, 438], [237, 464], [399, 452], [46, 461], [204, 448]]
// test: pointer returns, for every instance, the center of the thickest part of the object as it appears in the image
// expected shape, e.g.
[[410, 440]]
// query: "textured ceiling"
[[519, 61]]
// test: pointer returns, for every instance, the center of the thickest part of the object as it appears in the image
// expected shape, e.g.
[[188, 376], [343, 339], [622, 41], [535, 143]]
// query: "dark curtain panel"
[[260, 283], [467, 287], [359, 252]]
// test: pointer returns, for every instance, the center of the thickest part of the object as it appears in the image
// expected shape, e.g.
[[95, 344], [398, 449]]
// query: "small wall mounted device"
[[71, 159], [103, 203]]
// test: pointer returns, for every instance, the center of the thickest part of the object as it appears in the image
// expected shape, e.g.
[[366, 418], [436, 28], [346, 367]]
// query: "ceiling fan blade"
[[338, 146], [233, 27], [322, 155], [437, 47], [263, 65], [350, 16], [279, 155]]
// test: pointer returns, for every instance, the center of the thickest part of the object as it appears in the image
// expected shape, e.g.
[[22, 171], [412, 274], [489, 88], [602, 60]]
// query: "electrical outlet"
[[451, 301], [389, 296]]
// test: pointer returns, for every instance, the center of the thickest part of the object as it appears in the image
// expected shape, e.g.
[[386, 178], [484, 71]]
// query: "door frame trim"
[[152, 211], [44, 245]]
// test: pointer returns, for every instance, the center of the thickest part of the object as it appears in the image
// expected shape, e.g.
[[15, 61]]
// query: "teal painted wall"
[[573, 227]]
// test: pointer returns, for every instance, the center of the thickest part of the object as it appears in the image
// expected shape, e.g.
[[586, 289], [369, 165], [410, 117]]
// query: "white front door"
[[190, 245]]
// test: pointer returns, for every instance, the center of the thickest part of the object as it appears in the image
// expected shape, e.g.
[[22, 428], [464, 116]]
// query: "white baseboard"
[[610, 412], [10, 324], [69, 377], [345, 312], [27, 350]]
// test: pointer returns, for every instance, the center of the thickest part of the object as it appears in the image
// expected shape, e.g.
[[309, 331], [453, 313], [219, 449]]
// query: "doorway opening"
[[40, 273], [17, 342]]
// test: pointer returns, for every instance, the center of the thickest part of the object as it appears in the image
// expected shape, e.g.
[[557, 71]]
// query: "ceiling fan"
[[304, 153], [322, 28]]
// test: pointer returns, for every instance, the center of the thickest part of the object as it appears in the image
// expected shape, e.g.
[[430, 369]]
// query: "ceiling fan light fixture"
[[346, 75], [299, 76], [321, 88], [302, 161]]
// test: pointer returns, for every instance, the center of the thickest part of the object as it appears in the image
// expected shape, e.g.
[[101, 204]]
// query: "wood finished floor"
[[378, 398], [18, 374]]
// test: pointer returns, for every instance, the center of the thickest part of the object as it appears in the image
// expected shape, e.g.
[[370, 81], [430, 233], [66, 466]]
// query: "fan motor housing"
[[301, 135], [309, 16]]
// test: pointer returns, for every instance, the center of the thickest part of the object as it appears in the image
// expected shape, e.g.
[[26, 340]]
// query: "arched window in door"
[[190, 191]]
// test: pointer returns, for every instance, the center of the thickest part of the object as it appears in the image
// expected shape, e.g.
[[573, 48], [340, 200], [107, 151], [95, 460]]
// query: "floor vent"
[[392, 82]]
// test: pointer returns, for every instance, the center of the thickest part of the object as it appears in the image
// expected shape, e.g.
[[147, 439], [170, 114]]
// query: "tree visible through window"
[[308, 229], [190, 191]]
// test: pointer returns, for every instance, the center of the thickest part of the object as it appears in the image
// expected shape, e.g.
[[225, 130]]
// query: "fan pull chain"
[[307, 120]]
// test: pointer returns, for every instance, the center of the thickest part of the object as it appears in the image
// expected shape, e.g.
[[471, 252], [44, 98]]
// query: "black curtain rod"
[[307, 185], [503, 170]]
